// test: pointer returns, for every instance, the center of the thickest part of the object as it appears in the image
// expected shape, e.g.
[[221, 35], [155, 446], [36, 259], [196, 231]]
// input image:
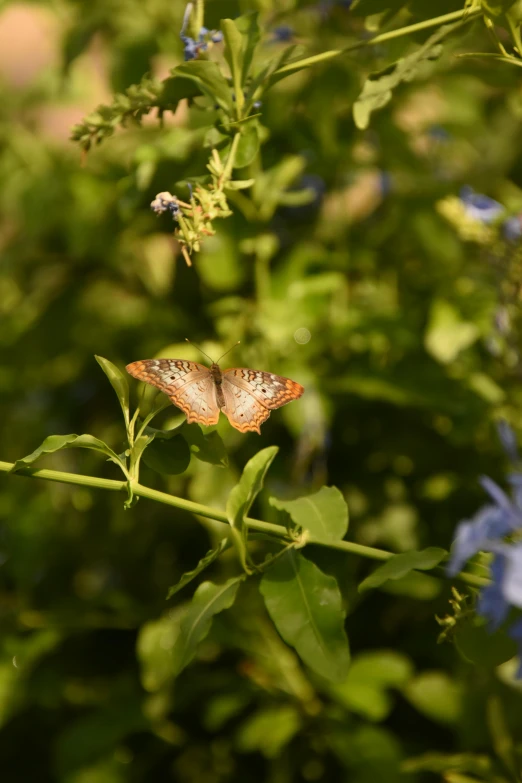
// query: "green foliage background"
[[367, 295]]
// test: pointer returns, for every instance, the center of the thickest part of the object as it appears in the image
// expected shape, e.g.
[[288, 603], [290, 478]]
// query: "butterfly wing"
[[250, 396], [188, 385]]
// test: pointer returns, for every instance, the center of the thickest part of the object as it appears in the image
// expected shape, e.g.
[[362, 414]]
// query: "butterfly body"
[[245, 396]]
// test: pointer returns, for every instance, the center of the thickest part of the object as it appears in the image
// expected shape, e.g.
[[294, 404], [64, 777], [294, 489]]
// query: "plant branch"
[[455, 16], [213, 513]]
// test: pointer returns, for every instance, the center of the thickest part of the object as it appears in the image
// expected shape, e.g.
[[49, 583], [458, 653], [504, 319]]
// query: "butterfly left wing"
[[188, 385], [251, 395]]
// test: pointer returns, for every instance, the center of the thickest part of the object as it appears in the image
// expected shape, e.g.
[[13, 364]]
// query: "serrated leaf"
[[204, 563], [378, 88], [400, 565], [207, 447], [243, 495], [306, 607], [119, 383], [57, 442], [209, 599], [209, 79], [324, 514]]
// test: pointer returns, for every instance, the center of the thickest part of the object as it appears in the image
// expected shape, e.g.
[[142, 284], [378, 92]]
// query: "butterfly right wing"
[[188, 385]]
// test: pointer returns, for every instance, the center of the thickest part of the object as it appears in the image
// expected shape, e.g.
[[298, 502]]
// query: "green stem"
[[214, 513], [462, 15]]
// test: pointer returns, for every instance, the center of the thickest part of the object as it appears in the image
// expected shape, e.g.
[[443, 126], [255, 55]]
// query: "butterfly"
[[246, 397]]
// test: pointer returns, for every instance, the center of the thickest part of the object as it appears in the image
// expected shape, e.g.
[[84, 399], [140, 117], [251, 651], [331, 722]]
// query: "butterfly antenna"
[[230, 349], [199, 349]]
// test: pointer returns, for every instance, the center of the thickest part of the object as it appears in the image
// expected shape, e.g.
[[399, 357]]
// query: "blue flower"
[[489, 525], [512, 581], [191, 47], [487, 531], [479, 207], [492, 603]]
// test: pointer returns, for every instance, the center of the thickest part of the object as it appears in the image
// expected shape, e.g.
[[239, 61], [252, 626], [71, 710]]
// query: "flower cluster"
[[205, 39], [479, 218], [207, 203], [166, 202], [497, 528]]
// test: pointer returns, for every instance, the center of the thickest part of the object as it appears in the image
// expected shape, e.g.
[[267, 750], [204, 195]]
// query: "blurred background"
[[384, 295]]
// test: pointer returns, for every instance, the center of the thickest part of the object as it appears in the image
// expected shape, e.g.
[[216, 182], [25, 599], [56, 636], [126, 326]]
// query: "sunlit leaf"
[[243, 495], [248, 146], [57, 442], [208, 77], [378, 88], [119, 383], [306, 607], [324, 514]]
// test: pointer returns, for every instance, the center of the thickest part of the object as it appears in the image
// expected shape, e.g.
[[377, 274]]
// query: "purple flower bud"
[[282, 34]]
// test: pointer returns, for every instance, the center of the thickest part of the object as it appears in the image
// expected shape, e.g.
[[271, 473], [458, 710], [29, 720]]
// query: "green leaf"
[[306, 607], [177, 88], [239, 184], [378, 88], [204, 563], [243, 495], [370, 675], [119, 383], [249, 28], [479, 646], [435, 695], [248, 146], [209, 79], [234, 58], [269, 730], [497, 7], [400, 565], [156, 640], [209, 599], [57, 442], [168, 457], [324, 514], [448, 333], [207, 447]]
